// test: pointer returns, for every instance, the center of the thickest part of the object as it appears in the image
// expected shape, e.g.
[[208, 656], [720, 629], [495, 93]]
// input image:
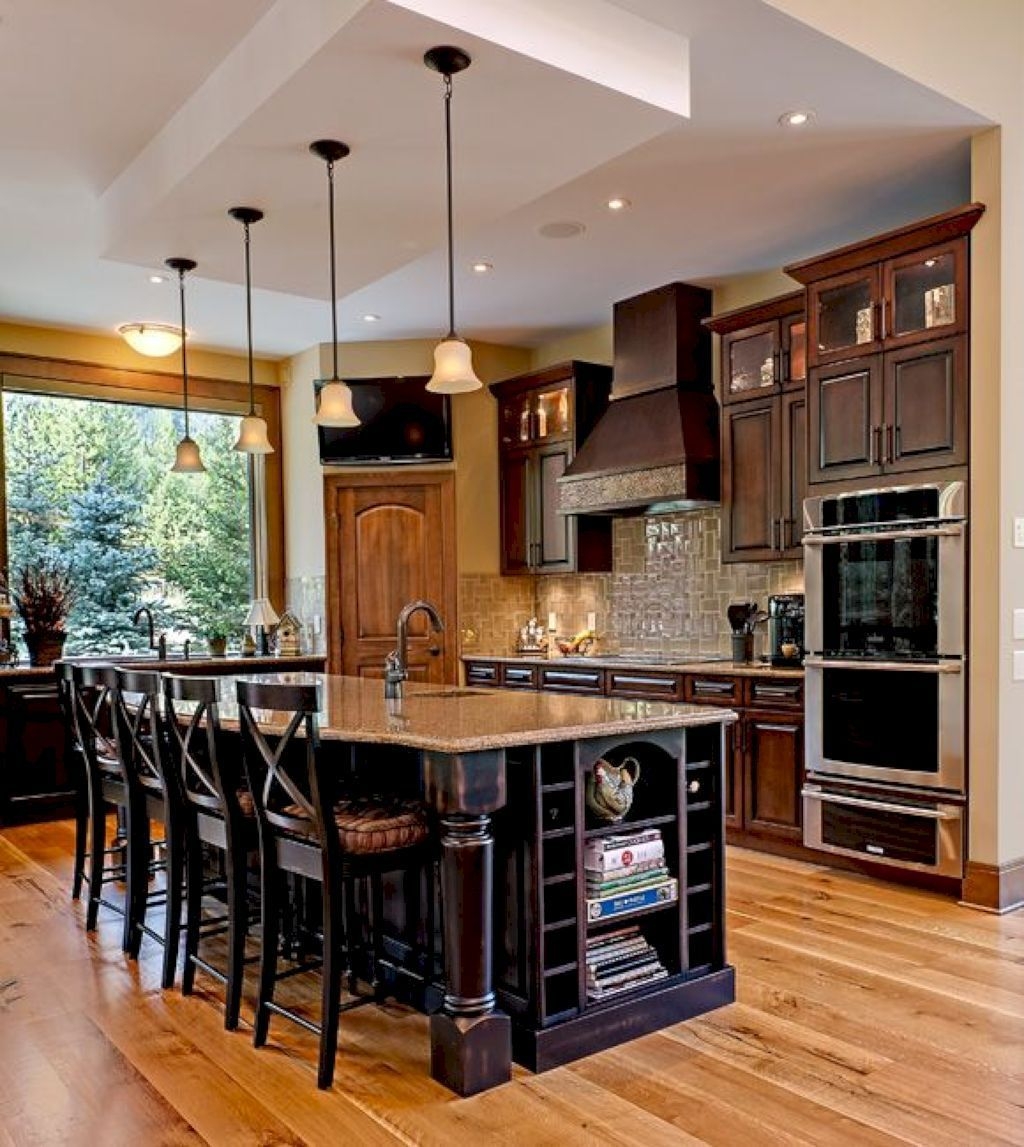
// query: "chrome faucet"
[[159, 644], [396, 664]]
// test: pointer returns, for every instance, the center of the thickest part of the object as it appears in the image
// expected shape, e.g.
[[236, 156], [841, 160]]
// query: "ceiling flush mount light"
[[156, 340], [453, 360], [481, 268], [799, 118], [617, 203], [252, 433], [335, 407], [186, 457]]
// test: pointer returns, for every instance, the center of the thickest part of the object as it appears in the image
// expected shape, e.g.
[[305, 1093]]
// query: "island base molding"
[[470, 1054], [612, 1024], [994, 887]]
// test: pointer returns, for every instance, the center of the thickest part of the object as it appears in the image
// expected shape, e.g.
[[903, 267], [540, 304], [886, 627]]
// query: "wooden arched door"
[[390, 540]]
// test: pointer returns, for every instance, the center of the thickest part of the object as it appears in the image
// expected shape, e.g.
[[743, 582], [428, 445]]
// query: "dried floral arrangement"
[[43, 596]]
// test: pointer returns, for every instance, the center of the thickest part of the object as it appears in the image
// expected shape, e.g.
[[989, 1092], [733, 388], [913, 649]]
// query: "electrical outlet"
[[1018, 533], [1018, 665], [1018, 625]]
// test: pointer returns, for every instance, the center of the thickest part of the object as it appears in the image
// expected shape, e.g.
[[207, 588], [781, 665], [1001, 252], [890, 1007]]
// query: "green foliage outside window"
[[89, 486]]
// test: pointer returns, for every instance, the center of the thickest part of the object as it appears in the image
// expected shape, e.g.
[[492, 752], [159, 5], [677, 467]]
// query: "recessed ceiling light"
[[617, 203], [566, 229], [371, 318], [798, 118], [157, 279], [482, 268]]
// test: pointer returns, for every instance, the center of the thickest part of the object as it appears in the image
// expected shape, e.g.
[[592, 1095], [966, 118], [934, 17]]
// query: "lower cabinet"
[[764, 750], [35, 778]]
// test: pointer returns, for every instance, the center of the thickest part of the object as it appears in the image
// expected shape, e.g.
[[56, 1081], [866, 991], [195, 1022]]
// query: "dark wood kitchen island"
[[505, 774]]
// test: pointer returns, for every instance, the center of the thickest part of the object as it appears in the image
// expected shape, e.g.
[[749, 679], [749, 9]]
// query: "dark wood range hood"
[[656, 447]]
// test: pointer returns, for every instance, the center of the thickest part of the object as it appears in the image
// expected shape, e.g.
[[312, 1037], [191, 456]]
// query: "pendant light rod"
[[449, 62], [331, 150], [247, 216], [182, 266]]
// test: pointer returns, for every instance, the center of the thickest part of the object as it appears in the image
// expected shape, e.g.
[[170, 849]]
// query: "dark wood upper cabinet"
[[764, 426], [542, 419], [764, 348], [887, 327]]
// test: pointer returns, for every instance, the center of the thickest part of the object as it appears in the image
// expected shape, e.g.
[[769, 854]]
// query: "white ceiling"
[[128, 127]]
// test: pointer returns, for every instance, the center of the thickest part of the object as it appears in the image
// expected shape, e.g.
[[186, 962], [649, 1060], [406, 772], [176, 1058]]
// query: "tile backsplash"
[[667, 592]]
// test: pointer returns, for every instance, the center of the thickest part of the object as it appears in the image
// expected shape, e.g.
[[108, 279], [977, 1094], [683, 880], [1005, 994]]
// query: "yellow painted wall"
[[113, 351], [474, 434]]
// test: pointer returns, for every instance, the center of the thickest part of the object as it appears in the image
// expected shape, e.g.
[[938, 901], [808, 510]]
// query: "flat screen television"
[[401, 422]]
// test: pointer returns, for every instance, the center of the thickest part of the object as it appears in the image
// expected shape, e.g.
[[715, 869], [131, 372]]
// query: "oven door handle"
[[884, 666], [885, 535], [928, 812]]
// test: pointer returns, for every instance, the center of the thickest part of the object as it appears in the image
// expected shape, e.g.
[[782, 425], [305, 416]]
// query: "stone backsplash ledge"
[[667, 592]]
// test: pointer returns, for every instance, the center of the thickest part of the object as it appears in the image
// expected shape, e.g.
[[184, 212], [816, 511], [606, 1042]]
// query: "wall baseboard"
[[994, 887]]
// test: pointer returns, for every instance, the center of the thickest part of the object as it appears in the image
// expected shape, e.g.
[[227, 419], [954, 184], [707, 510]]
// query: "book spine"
[[618, 989], [650, 876], [605, 859], [611, 906]]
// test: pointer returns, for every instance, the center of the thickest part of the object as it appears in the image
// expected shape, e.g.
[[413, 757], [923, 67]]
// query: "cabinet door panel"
[[750, 469], [515, 513], [926, 295], [844, 409], [773, 777], [842, 316], [750, 362], [793, 422], [554, 530], [733, 795], [926, 406]]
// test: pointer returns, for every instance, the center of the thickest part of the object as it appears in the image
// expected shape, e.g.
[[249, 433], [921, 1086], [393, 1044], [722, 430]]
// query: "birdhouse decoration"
[[289, 631]]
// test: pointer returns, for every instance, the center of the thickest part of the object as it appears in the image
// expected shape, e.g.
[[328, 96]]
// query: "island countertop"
[[451, 719]]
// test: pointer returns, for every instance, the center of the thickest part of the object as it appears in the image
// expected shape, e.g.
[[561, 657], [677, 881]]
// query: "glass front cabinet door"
[[843, 314], [924, 295]]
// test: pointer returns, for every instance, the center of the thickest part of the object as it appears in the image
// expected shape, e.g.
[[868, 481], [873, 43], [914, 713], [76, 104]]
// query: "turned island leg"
[[470, 1041]]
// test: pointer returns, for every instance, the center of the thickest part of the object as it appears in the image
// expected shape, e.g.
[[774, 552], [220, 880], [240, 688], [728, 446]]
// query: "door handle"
[[909, 666], [875, 446], [889, 443], [775, 533], [939, 812]]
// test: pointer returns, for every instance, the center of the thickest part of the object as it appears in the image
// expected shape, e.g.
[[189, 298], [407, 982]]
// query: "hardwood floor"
[[866, 1014]]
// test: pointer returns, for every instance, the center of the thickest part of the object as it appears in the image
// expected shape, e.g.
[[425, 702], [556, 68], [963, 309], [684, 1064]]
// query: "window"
[[87, 483]]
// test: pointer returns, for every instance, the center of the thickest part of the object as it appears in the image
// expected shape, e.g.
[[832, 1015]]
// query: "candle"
[[552, 623]]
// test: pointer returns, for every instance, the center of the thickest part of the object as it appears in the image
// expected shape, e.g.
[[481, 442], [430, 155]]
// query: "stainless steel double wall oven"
[[886, 674]]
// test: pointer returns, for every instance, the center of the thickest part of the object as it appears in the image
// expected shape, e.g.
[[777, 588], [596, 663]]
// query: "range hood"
[[655, 449]]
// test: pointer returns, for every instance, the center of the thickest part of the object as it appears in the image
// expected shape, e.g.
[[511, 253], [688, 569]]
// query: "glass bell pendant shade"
[[335, 407], [187, 459], [453, 368], [252, 436]]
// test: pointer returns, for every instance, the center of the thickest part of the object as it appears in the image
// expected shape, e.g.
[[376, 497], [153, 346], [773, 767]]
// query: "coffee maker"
[[786, 630]]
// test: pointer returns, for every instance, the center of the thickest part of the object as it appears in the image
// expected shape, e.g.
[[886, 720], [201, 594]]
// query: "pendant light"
[[252, 433], [155, 340], [335, 407], [186, 457], [453, 360]]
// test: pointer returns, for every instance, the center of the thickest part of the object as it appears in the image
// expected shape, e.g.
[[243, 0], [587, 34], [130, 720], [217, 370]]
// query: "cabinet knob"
[[693, 787]]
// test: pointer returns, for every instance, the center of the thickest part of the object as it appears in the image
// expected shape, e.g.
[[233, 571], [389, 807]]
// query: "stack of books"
[[620, 961], [626, 872]]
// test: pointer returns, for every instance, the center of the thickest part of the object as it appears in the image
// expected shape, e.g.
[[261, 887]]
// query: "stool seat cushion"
[[366, 827]]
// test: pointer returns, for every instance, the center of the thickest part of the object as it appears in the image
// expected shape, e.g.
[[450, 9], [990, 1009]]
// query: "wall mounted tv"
[[402, 422]]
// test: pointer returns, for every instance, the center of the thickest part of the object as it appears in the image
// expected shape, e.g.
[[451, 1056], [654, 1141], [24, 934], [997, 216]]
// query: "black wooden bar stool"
[[154, 794], [306, 829], [74, 755], [219, 813], [86, 691]]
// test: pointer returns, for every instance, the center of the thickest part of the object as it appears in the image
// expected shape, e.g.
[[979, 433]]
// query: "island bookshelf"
[[541, 906]]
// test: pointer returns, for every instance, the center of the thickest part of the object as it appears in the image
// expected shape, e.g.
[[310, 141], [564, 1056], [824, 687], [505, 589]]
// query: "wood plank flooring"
[[867, 1014]]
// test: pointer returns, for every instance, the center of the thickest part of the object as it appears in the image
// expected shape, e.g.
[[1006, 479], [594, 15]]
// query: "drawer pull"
[[656, 682], [777, 690], [519, 674], [719, 687], [573, 678]]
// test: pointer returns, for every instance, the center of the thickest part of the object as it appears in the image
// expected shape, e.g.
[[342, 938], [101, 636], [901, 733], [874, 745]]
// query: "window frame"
[[29, 374]]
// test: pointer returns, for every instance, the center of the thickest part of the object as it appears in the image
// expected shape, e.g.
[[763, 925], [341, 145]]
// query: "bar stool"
[[219, 813], [75, 757], [154, 794], [88, 689], [304, 829]]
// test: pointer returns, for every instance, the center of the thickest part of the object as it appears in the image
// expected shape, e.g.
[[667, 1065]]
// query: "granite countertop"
[[642, 664], [450, 719], [137, 661]]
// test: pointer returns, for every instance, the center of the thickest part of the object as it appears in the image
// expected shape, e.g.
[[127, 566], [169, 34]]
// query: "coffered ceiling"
[[128, 127]]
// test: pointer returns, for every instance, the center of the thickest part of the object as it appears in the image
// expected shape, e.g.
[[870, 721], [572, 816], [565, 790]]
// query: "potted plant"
[[218, 644], [43, 596]]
